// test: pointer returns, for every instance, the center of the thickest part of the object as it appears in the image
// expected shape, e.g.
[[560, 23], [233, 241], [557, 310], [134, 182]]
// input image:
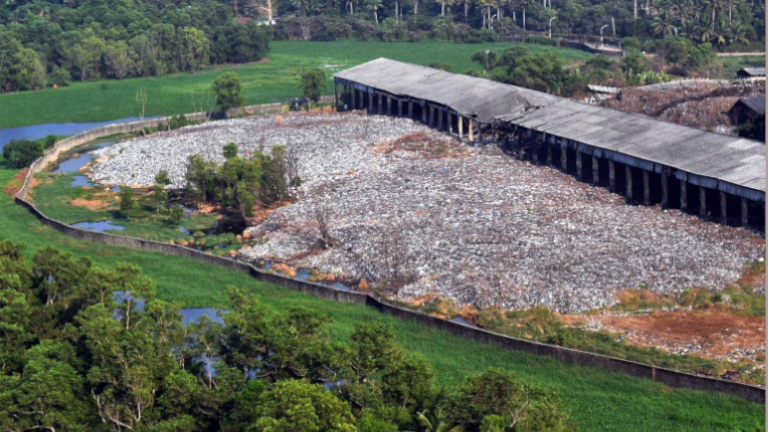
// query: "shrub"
[[312, 83], [60, 77], [21, 153], [227, 89]]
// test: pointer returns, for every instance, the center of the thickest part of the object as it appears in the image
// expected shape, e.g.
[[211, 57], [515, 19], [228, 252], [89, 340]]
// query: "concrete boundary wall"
[[665, 376]]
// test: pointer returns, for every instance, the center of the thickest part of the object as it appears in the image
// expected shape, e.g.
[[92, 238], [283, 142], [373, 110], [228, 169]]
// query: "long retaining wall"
[[665, 376]]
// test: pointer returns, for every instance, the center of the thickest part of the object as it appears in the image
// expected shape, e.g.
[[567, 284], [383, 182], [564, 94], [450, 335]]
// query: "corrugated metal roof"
[[754, 71], [756, 103], [731, 159], [479, 98]]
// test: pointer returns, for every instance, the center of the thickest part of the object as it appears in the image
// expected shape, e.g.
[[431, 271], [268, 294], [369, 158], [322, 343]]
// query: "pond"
[[43, 130], [100, 226]]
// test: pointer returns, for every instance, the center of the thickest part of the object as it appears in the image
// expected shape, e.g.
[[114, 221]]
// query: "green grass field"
[[598, 400], [262, 83]]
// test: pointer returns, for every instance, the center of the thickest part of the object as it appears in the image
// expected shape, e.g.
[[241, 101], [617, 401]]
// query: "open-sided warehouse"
[[649, 161]]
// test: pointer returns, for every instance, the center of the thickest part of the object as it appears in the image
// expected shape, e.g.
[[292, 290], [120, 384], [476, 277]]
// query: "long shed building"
[[649, 161]]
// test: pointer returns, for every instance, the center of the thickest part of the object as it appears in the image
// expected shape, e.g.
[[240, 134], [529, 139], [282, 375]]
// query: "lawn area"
[[731, 65], [598, 400], [264, 82]]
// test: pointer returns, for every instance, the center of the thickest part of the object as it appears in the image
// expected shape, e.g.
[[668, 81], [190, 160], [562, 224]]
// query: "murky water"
[[100, 226], [43, 130], [73, 164], [79, 181]]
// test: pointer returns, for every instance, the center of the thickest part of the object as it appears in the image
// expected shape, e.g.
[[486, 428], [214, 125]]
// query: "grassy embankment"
[[598, 400], [262, 83]]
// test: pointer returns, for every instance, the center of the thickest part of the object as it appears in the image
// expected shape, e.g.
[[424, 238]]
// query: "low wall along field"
[[666, 376]]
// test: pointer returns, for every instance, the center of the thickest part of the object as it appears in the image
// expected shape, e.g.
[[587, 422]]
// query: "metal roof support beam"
[[461, 126], [549, 150], [744, 212], [410, 109], [628, 174], [664, 189], [646, 188], [399, 108], [564, 155], [535, 150], [595, 171], [611, 175], [439, 118], [579, 166], [724, 207], [683, 196], [380, 100], [702, 201], [389, 105], [424, 110], [450, 123]]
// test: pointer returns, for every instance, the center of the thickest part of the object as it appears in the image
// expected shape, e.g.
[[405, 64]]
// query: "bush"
[[227, 89], [50, 141], [21, 153], [179, 121], [312, 83], [60, 77]]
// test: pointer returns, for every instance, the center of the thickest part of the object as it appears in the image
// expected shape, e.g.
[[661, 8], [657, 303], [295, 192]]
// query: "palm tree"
[[737, 33], [374, 5], [713, 6], [663, 24], [436, 422]]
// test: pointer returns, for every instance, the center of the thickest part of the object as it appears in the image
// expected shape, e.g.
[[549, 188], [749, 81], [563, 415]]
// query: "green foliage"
[[175, 214], [162, 178], [297, 406], [238, 183], [159, 196], [227, 90], [442, 66], [487, 59], [21, 153], [127, 201], [311, 83], [543, 71], [178, 122], [230, 150]]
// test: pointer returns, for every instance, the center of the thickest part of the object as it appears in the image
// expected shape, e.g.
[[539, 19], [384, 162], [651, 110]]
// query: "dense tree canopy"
[[91, 349], [44, 43]]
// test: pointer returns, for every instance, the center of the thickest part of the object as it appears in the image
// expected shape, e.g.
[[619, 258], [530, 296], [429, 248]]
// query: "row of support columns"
[[433, 115], [639, 185], [636, 184]]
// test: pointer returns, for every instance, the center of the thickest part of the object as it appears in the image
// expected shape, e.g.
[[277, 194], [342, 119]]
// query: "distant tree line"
[[50, 43], [738, 23], [84, 348]]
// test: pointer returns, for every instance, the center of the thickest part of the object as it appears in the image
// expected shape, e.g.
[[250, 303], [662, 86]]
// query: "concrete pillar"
[[683, 195], [744, 212], [461, 126], [410, 109], [399, 108], [702, 201], [549, 152], [579, 167], [424, 113], [370, 103], [450, 123], [595, 171], [564, 154], [646, 188], [380, 100], [362, 99], [611, 176], [723, 207], [440, 114], [535, 151], [471, 133], [389, 105], [628, 175], [336, 93], [431, 116], [664, 189], [354, 96]]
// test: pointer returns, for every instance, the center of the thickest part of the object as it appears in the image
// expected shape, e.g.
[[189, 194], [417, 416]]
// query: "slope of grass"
[[262, 82], [598, 400]]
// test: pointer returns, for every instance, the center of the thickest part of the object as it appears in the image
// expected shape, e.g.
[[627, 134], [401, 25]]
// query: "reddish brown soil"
[[15, 184], [719, 333]]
